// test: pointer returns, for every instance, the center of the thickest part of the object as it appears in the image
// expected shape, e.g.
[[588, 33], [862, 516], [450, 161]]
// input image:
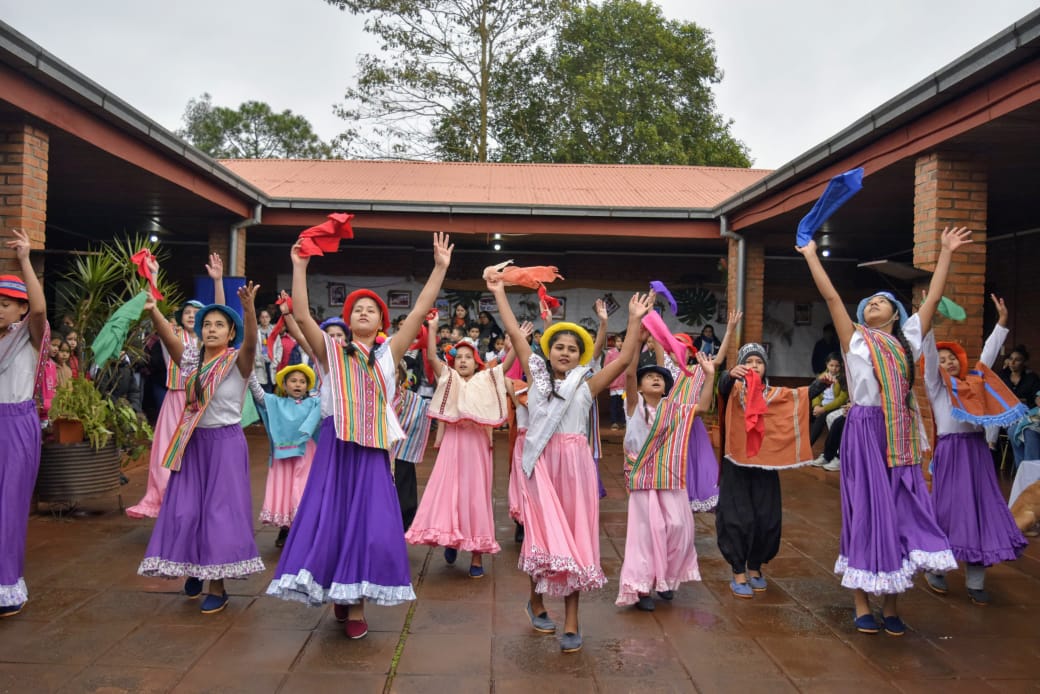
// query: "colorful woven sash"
[[661, 462], [983, 398], [359, 402], [199, 388], [892, 369], [411, 413], [174, 374]]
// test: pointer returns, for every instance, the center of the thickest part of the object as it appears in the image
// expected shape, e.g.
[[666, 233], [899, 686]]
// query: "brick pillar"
[[754, 283], [23, 187], [237, 266], [951, 190], [220, 243]]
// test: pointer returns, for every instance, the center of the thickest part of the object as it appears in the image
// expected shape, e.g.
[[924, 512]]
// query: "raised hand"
[[640, 305], [215, 266], [432, 318], [442, 250], [733, 320], [955, 237], [298, 259], [19, 244], [808, 250], [1002, 312], [527, 328], [283, 302], [247, 295], [707, 364], [149, 303], [601, 311]]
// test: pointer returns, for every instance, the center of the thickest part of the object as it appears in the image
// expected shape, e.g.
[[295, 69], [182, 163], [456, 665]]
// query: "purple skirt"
[[20, 432], [346, 543], [968, 503], [205, 524], [702, 470], [888, 528]]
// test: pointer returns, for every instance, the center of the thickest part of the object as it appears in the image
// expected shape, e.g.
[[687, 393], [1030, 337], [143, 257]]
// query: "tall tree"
[[428, 92], [620, 84], [254, 131]]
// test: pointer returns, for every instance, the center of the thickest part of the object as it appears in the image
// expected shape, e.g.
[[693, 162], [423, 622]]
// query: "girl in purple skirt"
[[347, 544], [888, 530], [969, 505], [24, 337], [205, 524]]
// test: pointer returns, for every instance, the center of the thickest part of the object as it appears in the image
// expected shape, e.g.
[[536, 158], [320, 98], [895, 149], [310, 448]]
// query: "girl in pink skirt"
[[292, 417], [455, 511], [173, 403], [559, 492], [659, 549]]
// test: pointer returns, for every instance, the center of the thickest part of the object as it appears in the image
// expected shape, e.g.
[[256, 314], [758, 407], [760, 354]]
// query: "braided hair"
[[552, 340]]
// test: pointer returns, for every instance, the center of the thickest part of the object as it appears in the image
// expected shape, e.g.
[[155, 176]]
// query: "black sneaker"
[[283, 533], [518, 536]]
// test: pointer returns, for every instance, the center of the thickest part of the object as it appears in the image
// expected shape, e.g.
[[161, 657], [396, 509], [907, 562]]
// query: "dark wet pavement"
[[93, 624]]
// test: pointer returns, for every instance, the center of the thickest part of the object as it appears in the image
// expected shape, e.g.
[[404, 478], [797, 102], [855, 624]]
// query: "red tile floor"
[[93, 624]]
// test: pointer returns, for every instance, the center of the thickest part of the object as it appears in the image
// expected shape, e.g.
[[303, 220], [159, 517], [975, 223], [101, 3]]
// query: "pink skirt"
[[560, 508], [659, 549], [516, 471], [455, 509], [165, 427], [286, 480]]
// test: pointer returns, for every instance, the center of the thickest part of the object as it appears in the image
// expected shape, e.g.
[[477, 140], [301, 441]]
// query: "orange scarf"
[[982, 398]]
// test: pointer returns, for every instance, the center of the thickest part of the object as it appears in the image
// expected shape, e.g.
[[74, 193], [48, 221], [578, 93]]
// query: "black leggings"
[[833, 443], [407, 491], [817, 426], [748, 517]]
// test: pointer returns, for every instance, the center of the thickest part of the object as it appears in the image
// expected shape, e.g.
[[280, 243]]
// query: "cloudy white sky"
[[796, 72]]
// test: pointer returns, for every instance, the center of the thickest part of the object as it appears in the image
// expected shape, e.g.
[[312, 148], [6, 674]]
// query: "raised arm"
[[410, 327], [631, 380], [37, 315], [512, 328], [247, 350], [302, 308], [164, 330], [431, 345], [843, 325], [215, 270], [601, 333], [638, 306], [293, 328], [952, 239], [708, 367], [731, 330]]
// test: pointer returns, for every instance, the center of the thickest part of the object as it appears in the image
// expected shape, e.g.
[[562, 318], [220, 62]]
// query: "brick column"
[[951, 189], [23, 187], [754, 284], [220, 243], [237, 266]]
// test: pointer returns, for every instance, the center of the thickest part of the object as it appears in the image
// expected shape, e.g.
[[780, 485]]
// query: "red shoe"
[[341, 612], [356, 629]]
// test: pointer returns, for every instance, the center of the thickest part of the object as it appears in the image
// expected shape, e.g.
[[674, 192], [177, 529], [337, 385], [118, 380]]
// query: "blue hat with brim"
[[179, 313], [888, 295], [232, 315], [661, 371]]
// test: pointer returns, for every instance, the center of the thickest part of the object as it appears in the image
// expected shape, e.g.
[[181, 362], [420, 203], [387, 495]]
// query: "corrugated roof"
[[535, 185]]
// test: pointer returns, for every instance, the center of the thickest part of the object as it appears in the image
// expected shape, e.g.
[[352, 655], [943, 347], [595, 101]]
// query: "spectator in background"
[[489, 330], [823, 348], [262, 361], [707, 342], [1022, 382]]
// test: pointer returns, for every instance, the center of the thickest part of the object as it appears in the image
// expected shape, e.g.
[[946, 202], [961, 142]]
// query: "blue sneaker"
[[476, 572], [866, 624], [894, 626], [193, 587], [570, 642], [214, 603], [540, 622], [10, 610], [757, 583], [741, 590], [450, 554]]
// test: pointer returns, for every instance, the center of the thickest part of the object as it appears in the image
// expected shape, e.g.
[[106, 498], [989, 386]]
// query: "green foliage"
[[428, 92], [254, 131], [620, 84], [103, 420], [100, 281]]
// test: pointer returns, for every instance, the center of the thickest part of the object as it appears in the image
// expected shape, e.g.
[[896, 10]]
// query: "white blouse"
[[637, 428], [576, 418], [864, 388], [936, 387], [18, 372]]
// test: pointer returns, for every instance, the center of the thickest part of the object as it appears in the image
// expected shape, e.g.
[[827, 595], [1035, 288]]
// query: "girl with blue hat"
[[173, 402], [24, 343], [889, 531], [205, 525]]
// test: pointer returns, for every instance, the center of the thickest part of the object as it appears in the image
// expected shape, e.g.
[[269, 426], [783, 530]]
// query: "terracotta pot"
[[67, 430]]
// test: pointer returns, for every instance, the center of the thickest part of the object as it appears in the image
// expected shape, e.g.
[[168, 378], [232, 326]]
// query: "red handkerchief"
[[325, 237], [754, 412], [141, 260]]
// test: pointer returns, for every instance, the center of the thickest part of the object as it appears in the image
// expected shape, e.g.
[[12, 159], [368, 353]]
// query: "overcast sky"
[[796, 72]]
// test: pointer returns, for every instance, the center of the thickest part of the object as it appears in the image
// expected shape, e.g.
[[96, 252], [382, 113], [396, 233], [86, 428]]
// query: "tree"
[[620, 84], [428, 92], [254, 131]]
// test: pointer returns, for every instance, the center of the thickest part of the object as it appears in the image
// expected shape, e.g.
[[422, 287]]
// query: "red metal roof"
[[537, 185]]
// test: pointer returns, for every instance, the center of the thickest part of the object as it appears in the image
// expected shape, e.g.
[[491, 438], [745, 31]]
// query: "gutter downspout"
[[235, 228], [725, 233]]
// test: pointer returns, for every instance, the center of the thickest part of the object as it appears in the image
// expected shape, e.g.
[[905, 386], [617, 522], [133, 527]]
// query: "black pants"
[[747, 519], [833, 443], [817, 426], [407, 491]]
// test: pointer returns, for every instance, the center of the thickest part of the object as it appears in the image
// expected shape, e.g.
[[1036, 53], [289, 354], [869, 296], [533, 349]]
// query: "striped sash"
[[174, 373], [411, 413], [359, 402], [892, 369], [661, 462], [199, 388]]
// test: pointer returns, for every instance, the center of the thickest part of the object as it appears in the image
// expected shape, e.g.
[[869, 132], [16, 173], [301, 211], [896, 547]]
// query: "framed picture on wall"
[[560, 312], [337, 293], [803, 314], [487, 303], [610, 303], [442, 306], [399, 299]]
